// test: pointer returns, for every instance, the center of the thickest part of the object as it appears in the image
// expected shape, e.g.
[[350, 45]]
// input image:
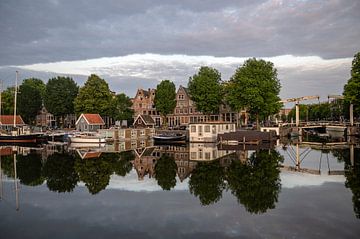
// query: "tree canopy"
[[165, 98], [60, 93], [94, 97], [122, 108], [254, 87], [352, 88], [205, 90], [7, 101], [30, 98]]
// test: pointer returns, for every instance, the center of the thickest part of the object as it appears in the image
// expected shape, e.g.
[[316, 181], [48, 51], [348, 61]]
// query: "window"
[[193, 155], [193, 129], [207, 128], [207, 155]]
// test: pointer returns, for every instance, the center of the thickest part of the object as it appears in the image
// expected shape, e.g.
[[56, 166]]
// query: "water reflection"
[[59, 172], [165, 172], [256, 182], [352, 173], [251, 176]]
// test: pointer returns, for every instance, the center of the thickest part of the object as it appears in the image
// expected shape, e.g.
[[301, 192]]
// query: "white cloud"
[[299, 75]]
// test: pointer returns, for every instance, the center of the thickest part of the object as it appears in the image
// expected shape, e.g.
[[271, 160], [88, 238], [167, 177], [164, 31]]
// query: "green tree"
[[59, 172], [352, 88], [30, 98], [122, 108], [60, 93], [255, 87], [94, 97], [165, 172], [7, 99], [207, 182], [165, 98], [205, 89], [256, 183]]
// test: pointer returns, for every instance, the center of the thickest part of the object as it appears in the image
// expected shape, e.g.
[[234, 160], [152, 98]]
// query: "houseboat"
[[208, 131]]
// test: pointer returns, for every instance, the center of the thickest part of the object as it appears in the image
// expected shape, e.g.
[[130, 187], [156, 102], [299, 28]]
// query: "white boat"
[[86, 137]]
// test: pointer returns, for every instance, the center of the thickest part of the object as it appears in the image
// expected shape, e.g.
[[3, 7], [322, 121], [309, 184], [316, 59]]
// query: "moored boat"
[[22, 138], [86, 137], [169, 138]]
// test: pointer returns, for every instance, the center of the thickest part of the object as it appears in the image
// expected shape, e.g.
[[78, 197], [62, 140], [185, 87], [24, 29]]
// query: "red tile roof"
[[93, 119], [9, 120]]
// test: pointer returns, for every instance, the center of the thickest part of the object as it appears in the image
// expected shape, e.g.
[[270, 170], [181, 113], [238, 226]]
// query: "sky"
[[136, 44]]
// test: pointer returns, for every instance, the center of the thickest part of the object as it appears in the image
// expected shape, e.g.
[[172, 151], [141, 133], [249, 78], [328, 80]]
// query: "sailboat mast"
[[16, 80]]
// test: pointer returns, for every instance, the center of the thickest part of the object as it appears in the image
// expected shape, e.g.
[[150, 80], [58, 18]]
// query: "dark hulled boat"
[[169, 138]]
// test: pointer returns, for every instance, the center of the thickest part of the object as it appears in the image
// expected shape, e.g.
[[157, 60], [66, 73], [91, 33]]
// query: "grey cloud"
[[49, 31]]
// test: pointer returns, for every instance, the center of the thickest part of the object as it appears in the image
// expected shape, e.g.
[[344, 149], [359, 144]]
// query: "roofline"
[[82, 114]]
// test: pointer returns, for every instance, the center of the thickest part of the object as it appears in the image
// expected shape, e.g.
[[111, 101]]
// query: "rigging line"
[[305, 156], [290, 157], [307, 149], [327, 156], [320, 161], [292, 152]]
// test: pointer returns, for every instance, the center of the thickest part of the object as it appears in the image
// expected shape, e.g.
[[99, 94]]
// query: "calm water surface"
[[193, 191]]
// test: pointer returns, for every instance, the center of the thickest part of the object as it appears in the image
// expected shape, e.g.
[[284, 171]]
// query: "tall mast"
[[16, 80]]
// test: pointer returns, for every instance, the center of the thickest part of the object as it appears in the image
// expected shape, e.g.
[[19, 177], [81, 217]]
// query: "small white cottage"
[[89, 122]]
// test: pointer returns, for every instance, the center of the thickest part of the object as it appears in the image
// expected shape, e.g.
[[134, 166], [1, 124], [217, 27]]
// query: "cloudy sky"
[[136, 44]]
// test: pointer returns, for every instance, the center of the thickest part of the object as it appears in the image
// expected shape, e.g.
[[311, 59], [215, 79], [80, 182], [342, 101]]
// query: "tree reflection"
[[94, 172], [207, 182], [122, 165], [165, 172], [256, 183], [29, 169], [352, 175], [60, 173], [7, 165]]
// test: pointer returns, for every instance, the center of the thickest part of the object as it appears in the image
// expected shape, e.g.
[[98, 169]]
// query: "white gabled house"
[[89, 122]]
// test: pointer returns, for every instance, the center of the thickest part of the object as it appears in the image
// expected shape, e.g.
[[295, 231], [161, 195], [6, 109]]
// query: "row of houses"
[[185, 111]]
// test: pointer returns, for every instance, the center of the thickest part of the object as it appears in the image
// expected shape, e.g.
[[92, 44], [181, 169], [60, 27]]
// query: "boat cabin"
[[89, 122], [208, 131]]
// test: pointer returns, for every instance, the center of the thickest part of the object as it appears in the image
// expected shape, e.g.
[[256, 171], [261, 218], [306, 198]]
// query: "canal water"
[[180, 191]]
